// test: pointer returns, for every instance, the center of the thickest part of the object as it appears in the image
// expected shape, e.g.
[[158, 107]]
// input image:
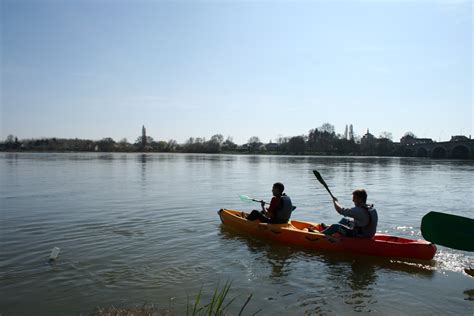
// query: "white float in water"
[[54, 254]]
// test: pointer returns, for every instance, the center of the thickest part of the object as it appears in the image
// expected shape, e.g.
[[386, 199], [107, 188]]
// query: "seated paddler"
[[364, 218], [279, 211]]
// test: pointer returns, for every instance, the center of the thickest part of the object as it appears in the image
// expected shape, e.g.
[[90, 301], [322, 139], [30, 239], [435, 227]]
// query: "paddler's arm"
[[337, 206], [273, 207], [349, 212]]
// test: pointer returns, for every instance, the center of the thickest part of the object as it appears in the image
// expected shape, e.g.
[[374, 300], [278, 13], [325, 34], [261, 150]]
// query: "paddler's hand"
[[337, 206], [262, 203]]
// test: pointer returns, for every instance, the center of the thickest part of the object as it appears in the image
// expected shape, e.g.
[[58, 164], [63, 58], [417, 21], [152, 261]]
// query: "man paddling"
[[365, 218], [280, 208]]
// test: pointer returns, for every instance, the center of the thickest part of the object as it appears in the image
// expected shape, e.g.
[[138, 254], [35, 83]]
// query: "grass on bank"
[[217, 306]]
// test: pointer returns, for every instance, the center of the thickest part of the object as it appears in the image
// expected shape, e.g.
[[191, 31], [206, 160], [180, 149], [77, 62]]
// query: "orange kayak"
[[308, 235]]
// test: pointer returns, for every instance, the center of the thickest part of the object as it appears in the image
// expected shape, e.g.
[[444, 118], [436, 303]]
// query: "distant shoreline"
[[317, 143], [222, 153]]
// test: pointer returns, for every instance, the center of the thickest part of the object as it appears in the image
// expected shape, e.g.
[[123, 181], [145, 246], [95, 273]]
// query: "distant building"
[[368, 143], [271, 146], [424, 141], [368, 139], [243, 147], [410, 140], [458, 138]]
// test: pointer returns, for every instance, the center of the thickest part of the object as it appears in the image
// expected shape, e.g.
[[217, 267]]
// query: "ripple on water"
[[448, 260]]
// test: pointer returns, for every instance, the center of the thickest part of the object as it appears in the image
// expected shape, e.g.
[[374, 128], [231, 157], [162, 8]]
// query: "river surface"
[[138, 229]]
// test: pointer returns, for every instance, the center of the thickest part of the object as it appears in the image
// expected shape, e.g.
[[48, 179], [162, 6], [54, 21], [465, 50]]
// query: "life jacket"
[[370, 229], [286, 207]]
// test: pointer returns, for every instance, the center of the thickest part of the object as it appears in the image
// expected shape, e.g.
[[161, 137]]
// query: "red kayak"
[[308, 235]]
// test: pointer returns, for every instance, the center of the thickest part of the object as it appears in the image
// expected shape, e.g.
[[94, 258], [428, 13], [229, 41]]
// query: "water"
[[143, 228]]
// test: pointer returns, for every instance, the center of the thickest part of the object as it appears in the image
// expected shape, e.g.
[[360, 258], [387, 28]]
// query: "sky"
[[101, 68]]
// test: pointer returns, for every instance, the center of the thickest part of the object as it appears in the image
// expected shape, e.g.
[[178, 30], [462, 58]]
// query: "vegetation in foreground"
[[218, 305]]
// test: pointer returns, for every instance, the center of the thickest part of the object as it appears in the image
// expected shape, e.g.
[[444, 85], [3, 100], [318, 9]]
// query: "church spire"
[[143, 136]]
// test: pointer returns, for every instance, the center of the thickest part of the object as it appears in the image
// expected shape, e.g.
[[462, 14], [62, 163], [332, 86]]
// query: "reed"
[[217, 305]]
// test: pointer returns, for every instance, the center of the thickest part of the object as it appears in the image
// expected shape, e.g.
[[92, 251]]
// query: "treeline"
[[319, 141], [103, 145]]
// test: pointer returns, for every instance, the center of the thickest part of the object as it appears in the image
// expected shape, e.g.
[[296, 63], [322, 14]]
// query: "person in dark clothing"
[[280, 208], [365, 218]]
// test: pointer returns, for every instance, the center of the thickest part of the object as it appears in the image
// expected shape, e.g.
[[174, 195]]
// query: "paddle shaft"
[[321, 180], [259, 201]]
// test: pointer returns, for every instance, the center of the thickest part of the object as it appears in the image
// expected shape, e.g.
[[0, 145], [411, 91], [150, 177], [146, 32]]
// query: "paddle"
[[448, 230], [321, 180], [245, 198]]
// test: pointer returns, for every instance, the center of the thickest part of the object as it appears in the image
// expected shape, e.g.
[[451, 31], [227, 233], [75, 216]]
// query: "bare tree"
[[386, 135], [328, 128], [254, 143], [253, 140], [218, 139], [172, 145], [408, 138], [10, 139]]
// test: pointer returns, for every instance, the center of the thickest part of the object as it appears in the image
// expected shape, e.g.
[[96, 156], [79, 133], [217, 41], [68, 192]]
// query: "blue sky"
[[95, 69]]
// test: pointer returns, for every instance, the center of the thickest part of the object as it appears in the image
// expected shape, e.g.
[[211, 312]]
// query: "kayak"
[[308, 235]]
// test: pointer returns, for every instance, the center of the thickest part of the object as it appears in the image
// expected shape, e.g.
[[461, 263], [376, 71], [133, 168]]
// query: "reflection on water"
[[254, 159], [277, 257], [204, 158], [143, 159], [469, 295]]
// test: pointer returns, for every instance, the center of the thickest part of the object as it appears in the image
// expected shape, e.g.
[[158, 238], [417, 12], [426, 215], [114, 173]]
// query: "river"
[[143, 228]]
